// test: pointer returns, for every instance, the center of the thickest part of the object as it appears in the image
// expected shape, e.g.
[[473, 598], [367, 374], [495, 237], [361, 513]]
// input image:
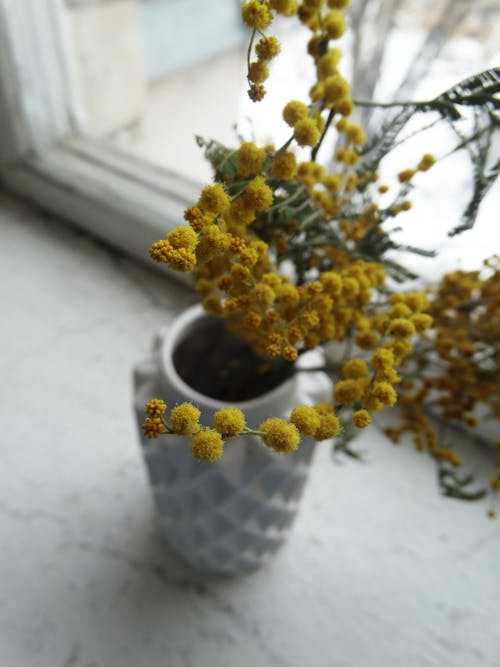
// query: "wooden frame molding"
[[109, 193]]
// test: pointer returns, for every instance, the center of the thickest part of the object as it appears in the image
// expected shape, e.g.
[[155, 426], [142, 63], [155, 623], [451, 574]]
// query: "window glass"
[[152, 74]]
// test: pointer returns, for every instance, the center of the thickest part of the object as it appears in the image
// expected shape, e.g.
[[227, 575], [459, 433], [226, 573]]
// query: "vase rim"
[[174, 334]]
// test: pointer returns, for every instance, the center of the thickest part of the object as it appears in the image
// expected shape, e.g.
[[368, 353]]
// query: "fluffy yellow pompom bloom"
[[406, 175], [184, 419], [324, 408], [156, 407], [249, 256], [311, 172], [309, 319], [280, 435], [421, 321], [207, 445], [153, 427], [354, 368], [252, 320], [212, 242], [417, 301], [361, 418], [334, 24], [250, 159], [287, 296], [256, 92], [306, 132], [258, 195], [262, 295], [332, 282], [399, 310], [183, 237], [356, 134], [213, 304], [350, 288], [401, 328], [342, 125], [289, 352], [382, 359], [427, 161], [316, 92], [387, 374], [197, 218], [366, 339], [267, 48], [258, 71], [285, 7], [179, 259], [240, 213], [401, 349], [344, 106], [214, 199], [294, 111], [384, 393], [306, 419], [348, 392], [256, 14], [329, 426], [272, 279], [240, 272], [335, 87], [229, 421], [284, 166], [326, 65]]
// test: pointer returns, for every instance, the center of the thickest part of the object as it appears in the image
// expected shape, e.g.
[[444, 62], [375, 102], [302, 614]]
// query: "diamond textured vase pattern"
[[230, 516]]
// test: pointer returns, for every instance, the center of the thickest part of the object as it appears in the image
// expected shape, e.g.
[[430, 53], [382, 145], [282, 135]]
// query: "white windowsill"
[[379, 569]]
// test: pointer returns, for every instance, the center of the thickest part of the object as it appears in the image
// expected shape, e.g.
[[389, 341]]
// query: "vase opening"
[[216, 363]]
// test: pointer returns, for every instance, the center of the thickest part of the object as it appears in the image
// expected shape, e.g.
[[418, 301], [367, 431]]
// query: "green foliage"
[[476, 96]]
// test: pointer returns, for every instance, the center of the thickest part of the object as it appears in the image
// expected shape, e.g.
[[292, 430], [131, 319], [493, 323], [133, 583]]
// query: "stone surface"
[[379, 570]]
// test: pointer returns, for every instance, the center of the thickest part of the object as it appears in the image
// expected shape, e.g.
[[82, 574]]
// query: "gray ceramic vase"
[[226, 517]]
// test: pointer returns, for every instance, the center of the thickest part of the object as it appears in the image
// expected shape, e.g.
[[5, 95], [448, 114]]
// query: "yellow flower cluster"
[[207, 443], [319, 422], [458, 361], [426, 162], [288, 254], [277, 318], [258, 15], [330, 95], [281, 436]]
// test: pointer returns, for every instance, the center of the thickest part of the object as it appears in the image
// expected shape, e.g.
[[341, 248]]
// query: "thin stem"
[[288, 200], [466, 141], [249, 431], [387, 105], [310, 218], [284, 147], [249, 51], [315, 150]]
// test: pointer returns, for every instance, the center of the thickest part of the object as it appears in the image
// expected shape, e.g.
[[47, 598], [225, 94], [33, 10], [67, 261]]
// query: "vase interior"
[[218, 364]]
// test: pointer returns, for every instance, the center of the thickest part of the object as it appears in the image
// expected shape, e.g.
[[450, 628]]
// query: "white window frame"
[[45, 157]]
